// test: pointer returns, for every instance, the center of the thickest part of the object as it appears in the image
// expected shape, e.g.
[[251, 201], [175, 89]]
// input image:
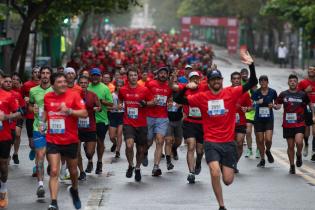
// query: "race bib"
[[84, 122], [161, 100], [132, 113], [1, 126], [194, 112], [216, 107], [291, 117], [237, 118], [40, 112], [57, 126], [264, 112], [172, 108], [118, 61]]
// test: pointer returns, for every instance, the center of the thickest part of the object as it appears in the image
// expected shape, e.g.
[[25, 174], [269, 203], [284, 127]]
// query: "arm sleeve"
[[252, 79], [180, 98]]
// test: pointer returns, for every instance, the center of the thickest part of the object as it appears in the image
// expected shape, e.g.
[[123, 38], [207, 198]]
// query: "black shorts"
[[115, 119], [250, 121], [263, 126], [29, 127], [68, 150], [193, 130], [139, 134], [308, 118], [291, 132], [101, 130], [13, 136], [19, 123], [240, 129], [224, 153], [5, 147], [87, 136]]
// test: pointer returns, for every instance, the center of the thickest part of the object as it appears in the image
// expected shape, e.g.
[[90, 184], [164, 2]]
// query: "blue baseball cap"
[[214, 74], [95, 71]]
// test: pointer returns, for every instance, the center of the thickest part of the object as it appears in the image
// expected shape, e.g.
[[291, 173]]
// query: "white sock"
[[3, 187], [40, 183]]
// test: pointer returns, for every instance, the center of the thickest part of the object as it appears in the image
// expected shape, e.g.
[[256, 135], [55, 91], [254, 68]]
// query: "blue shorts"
[[157, 126], [39, 140]]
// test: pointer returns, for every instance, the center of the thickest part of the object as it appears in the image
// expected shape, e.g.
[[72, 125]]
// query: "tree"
[[51, 12]]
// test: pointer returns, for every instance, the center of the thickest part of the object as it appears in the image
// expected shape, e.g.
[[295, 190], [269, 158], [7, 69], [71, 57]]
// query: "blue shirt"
[[263, 112], [183, 80]]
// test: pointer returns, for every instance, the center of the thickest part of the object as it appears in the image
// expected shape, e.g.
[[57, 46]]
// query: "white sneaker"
[[305, 151], [64, 175]]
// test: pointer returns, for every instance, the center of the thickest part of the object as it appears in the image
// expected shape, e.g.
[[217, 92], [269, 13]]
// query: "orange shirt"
[[111, 87]]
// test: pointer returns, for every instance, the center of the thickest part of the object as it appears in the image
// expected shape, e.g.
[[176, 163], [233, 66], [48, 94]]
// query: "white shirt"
[[282, 52]]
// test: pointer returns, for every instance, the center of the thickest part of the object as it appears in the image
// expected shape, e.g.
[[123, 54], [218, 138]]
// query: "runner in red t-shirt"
[[8, 112], [158, 117], [218, 110], [135, 98], [308, 85], [294, 105], [62, 108], [87, 126], [243, 105]]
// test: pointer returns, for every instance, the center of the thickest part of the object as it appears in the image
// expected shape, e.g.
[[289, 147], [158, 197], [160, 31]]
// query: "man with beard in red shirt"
[[218, 111]]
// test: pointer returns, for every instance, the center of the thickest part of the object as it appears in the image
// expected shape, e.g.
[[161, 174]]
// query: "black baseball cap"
[[214, 74]]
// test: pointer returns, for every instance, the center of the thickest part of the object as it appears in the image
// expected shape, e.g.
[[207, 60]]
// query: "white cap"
[[188, 66], [69, 70], [193, 73]]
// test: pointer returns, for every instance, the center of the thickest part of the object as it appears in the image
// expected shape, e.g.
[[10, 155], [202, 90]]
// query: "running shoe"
[[32, 154], [117, 156], [222, 208], [15, 159], [156, 171], [191, 178], [269, 156], [262, 163], [249, 153], [145, 161], [53, 207], [89, 167], [129, 172], [305, 151], [82, 176], [113, 148], [137, 175], [170, 166], [4, 200], [40, 192], [292, 169], [175, 154], [99, 167], [313, 157], [64, 176], [299, 161], [75, 198]]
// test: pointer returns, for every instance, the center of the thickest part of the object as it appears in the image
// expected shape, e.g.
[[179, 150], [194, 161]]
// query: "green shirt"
[[103, 93], [37, 94]]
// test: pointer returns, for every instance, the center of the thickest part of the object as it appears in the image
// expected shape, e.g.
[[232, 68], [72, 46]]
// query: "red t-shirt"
[[20, 103], [8, 104], [192, 114], [134, 114], [62, 129], [244, 101], [76, 88], [161, 92], [218, 113], [304, 84], [88, 124], [26, 93]]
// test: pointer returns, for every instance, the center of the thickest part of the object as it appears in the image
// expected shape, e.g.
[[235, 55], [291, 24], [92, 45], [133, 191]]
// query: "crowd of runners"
[[144, 87]]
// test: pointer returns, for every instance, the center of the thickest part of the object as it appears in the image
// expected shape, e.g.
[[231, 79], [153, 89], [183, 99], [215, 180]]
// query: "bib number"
[[161, 100], [173, 108], [57, 126], [264, 112], [216, 107], [1, 126], [237, 118], [84, 122], [194, 112], [132, 113], [291, 117]]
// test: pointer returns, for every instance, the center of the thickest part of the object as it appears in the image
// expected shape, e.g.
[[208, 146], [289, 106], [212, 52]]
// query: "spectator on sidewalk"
[[282, 54]]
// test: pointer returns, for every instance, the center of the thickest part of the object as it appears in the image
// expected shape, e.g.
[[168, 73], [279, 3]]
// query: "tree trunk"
[[81, 30], [23, 38], [23, 57]]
